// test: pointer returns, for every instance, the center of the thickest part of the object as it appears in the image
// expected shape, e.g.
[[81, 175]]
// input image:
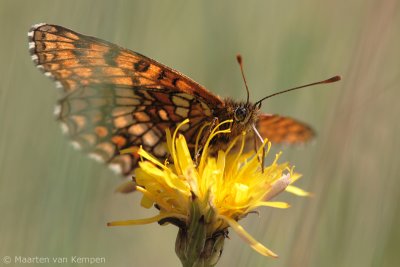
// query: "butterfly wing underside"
[[114, 98], [279, 129]]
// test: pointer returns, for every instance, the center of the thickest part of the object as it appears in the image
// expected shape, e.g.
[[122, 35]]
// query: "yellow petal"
[[147, 220], [221, 159], [173, 147], [139, 221], [132, 150], [275, 204], [154, 198], [146, 202], [168, 137], [213, 133], [294, 177], [183, 154], [241, 193], [199, 135], [257, 246], [297, 191], [209, 179], [150, 158]]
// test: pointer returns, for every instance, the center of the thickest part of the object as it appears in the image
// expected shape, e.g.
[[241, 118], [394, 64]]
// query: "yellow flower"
[[215, 193]]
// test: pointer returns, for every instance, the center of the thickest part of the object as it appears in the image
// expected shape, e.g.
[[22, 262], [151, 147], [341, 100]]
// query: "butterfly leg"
[[260, 159], [214, 122], [255, 146]]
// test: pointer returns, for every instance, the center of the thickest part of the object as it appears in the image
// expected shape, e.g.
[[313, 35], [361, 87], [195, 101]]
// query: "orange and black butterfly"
[[114, 98]]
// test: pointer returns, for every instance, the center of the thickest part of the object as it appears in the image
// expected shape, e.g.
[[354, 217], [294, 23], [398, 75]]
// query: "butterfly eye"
[[240, 114]]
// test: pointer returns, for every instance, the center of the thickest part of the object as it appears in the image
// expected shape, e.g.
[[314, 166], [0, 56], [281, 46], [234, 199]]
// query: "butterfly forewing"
[[279, 129]]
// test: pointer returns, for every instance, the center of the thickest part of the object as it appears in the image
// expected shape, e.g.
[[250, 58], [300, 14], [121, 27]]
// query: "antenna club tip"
[[334, 79], [239, 58]]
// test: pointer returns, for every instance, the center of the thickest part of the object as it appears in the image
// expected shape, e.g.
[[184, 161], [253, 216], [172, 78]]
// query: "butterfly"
[[113, 98]]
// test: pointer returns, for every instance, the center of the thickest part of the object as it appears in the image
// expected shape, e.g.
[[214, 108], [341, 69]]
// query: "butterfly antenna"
[[240, 61], [330, 80]]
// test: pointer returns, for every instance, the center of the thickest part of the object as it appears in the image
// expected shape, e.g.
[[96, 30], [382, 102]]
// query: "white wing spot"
[[35, 58], [76, 145], [64, 128], [34, 27], [96, 157], [57, 110], [59, 84], [116, 168], [31, 45]]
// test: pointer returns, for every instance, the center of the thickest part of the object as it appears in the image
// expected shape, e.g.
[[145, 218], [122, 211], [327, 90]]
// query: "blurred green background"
[[54, 201]]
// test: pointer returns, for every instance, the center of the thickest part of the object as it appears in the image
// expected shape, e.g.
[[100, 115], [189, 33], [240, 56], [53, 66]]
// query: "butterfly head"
[[242, 114]]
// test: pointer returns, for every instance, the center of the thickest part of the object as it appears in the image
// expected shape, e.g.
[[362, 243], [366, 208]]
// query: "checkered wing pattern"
[[113, 98], [279, 129]]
